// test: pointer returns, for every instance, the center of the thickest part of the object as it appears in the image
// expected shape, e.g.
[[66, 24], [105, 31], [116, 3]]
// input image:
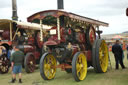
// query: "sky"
[[109, 11]]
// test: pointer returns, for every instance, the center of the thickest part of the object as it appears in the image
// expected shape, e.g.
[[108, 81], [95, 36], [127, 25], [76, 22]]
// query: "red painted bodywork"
[[80, 37], [53, 40], [37, 54], [31, 40], [88, 55], [32, 49]]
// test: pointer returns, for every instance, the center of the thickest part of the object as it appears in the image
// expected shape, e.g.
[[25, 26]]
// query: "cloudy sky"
[[110, 11]]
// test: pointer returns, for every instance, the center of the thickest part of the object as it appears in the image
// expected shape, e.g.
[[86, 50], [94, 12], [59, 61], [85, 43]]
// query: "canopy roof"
[[5, 24], [58, 13]]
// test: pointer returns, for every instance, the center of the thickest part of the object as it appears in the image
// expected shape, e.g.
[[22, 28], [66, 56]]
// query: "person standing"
[[13, 49], [123, 52], [117, 51], [16, 64]]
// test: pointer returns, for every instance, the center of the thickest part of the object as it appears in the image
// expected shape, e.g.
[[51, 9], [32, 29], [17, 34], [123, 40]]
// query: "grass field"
[[112, 77]]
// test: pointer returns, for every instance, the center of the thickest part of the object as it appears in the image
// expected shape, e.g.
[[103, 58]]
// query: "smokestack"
[[127, 12], [60, 4], [14, 10]]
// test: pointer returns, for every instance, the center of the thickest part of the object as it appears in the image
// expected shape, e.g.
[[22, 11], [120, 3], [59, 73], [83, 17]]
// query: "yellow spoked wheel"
[[79, 66], [47, 66], [100, 56]]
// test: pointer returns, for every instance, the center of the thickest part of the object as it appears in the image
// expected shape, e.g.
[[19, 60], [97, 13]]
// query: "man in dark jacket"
[[117, 51]]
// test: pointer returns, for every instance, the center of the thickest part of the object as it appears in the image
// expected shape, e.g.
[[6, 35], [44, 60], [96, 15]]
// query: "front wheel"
[[30, 63], [47, 66], [79, 66]]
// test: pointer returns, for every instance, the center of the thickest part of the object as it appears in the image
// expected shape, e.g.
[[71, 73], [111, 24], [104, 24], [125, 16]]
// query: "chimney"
[[60, 4], [14, 10], [127, 12]]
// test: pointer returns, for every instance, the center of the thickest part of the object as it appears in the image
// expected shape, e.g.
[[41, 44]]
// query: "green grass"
[[112, 77]]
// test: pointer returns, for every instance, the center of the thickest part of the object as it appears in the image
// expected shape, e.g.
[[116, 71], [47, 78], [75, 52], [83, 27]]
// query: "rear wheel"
[[100, 56], [79, 66], [47, 66], [30, 63], [4, 64]]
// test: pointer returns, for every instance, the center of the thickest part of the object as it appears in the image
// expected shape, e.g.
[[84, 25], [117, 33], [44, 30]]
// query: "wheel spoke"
[[51, 72], [46, 72], [78, 68]]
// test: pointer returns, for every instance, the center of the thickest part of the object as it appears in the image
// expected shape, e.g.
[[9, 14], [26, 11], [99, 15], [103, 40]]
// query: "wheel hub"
[[31, 62]]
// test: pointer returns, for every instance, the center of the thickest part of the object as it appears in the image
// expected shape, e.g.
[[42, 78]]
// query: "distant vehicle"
[[72, 42], [27, 35]]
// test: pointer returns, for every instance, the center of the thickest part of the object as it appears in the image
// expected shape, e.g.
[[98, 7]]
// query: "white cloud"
[[5, 3]]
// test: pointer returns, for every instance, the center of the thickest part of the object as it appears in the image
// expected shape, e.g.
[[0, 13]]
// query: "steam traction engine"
[[72, 42], [27, 35]]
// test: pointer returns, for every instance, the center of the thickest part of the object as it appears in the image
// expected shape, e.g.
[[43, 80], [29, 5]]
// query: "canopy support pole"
[[15, 33], [41, 31], [10, 31], [58, 28]]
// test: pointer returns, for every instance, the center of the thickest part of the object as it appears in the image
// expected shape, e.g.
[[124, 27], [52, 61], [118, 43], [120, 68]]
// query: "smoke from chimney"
[[14, 10], [60, 4]]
